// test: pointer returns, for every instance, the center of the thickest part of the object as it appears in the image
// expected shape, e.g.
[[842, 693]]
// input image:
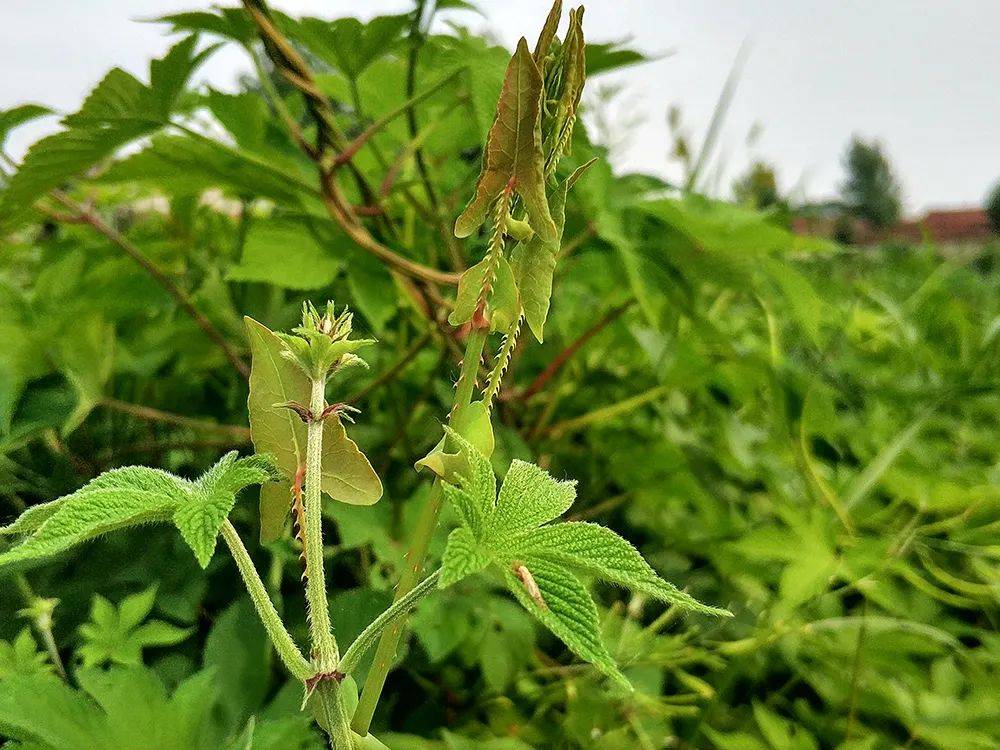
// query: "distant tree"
[[758, 188], [870, 191], [992, 208]]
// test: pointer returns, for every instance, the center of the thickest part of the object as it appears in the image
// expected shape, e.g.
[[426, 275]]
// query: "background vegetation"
[[802, 432]]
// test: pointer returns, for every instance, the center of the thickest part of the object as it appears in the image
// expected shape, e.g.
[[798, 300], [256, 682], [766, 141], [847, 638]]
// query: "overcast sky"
[[921, 76]]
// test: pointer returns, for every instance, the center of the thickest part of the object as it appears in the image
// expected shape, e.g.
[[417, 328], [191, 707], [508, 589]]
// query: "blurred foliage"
[[870, 192], [803, 433]]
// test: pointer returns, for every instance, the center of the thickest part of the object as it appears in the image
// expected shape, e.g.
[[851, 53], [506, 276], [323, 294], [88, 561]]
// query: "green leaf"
[[476, 489], [56, 158], [473, 425], [286, 254], [462, 557], [602, 58], [228, 23], [514, 151], [275, 501], [347, 476], [22, 657], [118, 635], [212, 498], [17, 116], [32, 518], [601, 552], [116, 499], [528, 498], [169, 74], [349, 45], [566, 609], [118, 98], [502, 305], [86, 359]]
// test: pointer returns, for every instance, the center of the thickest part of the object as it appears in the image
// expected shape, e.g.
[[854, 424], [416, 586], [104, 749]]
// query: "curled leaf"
[[514, 150]]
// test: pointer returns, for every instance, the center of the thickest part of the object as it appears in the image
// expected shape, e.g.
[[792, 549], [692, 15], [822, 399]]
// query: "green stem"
[[399, 609], [288, 652], [385, 654], [324, 646]]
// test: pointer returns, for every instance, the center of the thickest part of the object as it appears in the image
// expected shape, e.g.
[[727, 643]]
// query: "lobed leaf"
[[116, 499], [568, 611], [598, 550], [462, 557], [200, 518], [528, 498]]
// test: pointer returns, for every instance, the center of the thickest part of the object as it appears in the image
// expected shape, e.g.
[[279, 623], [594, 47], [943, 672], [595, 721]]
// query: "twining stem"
[[288, 652], [324, 646], [399, 609]]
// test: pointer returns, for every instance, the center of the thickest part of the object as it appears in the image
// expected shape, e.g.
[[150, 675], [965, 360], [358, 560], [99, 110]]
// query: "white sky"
[[922, 76]]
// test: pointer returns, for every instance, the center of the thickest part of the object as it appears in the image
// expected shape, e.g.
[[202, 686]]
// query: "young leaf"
[[565, 607], [347, 475], [514, 151], [212, 498], [548, 33], [503, 304], [118, 635], [22, 657], [275, 501], [599, 551], [116, 499], [473, 425]]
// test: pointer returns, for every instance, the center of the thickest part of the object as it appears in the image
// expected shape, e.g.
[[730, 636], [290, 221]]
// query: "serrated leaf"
[[228, 23], [116, 499], [212, 498], [462, 557], [528, 498], [514, 150], [169, 74], [347, 476], [22, 657], [568, 610], [56, 158], [118, 98], [475, 490], [601, 552], [349, 45]]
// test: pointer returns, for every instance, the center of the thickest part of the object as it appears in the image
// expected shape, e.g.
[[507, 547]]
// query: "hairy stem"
[[324, 646], [288, 652], [399, 609]]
